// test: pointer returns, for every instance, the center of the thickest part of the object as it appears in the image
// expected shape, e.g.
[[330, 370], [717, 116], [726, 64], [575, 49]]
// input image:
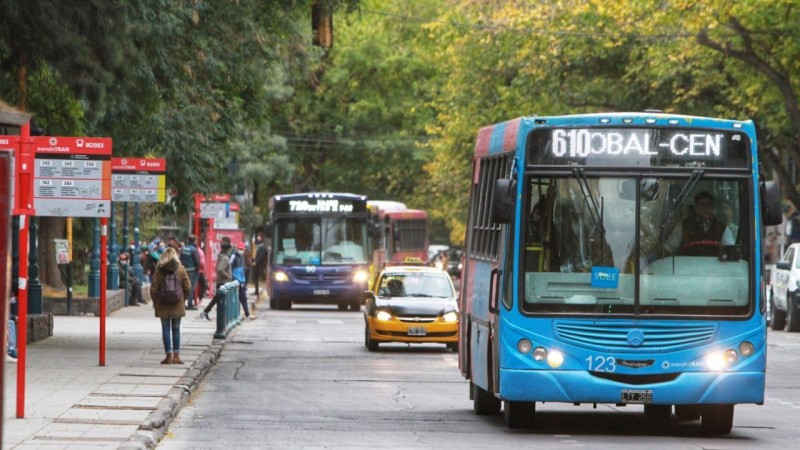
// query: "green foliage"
[[392, 110]]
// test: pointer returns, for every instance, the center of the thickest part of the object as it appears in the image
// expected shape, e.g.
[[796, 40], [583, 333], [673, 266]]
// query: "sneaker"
[[204, 315], [191, 308], [252, 317], [10, 359]]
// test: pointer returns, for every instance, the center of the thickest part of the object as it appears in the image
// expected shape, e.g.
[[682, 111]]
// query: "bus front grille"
[[634, 336]]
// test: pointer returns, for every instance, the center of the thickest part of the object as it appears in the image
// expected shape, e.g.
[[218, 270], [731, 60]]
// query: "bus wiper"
[[595, 212], [682, 195]]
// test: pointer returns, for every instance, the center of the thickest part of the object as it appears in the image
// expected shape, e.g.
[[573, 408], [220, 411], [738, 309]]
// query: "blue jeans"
[[171, 334], [193, 275], [12, 339]]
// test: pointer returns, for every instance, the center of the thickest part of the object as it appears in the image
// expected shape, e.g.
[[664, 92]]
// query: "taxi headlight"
[[281, 276], [383, 316], [450, 317], [360, 276]]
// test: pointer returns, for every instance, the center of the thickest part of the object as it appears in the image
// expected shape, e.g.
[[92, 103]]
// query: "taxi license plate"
[[641, 396], [417, 331], [321, 292]]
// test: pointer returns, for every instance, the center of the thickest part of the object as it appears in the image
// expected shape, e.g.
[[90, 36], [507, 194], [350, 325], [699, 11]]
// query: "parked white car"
[[784, 308]]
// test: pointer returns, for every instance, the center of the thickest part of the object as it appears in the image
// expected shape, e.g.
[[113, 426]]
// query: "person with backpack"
[[190, 259], [170, 288]]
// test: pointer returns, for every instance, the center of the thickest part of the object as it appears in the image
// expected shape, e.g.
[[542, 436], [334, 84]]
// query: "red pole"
[[103, 286], [197, 216], [24, 211]]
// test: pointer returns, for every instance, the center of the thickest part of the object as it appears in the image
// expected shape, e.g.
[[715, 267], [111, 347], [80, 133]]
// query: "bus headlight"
[[524, 346], [280, 276], [360, 276], [555, 359], [746, 349], [721, 360], [383, 316], [539, 354], [450, 317]]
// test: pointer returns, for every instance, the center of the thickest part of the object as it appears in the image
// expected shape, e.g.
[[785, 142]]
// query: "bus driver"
[[701, 234]]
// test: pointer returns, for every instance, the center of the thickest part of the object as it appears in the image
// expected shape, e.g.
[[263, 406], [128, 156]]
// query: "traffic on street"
[[303, 379]]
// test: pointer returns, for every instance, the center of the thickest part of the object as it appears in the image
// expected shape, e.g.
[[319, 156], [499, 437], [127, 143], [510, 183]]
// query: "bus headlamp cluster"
[[720, 360], [360, 276], [554, 358], [280, 276]]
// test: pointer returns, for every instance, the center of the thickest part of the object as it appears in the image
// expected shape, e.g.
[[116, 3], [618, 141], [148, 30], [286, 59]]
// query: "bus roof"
[[503, 137], [306, 195], [386, 205]]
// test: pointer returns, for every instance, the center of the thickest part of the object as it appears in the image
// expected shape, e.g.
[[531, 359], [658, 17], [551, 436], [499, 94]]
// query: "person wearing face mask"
[[224, 274]]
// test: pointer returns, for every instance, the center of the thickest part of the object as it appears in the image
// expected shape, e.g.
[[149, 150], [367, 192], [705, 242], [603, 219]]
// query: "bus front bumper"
[[582, 387]]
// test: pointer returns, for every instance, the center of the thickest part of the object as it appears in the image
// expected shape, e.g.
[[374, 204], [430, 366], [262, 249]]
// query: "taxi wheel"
[[368, 342], [453, 346], [342, 306]]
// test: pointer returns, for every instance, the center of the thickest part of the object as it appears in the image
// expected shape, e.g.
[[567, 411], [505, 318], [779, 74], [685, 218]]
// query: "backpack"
[[170, 291]]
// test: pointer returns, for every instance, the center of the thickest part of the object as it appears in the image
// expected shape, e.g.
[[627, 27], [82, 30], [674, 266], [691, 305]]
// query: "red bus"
[[400, 235]]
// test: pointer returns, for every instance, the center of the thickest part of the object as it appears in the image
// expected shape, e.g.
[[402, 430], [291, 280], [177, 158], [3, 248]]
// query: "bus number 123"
[[599, 363]]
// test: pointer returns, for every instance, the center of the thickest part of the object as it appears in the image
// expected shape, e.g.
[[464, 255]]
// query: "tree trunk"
[[50, 228]]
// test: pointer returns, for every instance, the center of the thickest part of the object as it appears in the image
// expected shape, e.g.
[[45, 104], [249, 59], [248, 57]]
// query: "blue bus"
[[320, 249], [616, 259]]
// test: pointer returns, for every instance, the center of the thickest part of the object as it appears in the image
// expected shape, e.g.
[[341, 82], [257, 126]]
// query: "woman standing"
[[169, 310]]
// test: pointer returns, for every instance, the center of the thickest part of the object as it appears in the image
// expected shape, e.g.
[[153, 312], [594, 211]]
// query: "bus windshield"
[[637, 245], [320, 241]]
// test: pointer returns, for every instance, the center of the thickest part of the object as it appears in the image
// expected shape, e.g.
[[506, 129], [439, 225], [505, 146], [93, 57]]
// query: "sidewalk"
[[71, 402]]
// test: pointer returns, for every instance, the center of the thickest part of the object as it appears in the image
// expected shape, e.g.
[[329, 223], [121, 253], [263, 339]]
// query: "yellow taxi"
[[411, 304]]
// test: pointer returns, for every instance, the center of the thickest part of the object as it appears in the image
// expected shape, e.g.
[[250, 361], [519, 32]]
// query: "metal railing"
[[228, 309]]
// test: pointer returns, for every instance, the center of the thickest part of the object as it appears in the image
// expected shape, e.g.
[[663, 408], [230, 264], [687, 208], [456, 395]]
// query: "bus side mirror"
[[374, 229], [503, 200], [268, 229], [772, 213]]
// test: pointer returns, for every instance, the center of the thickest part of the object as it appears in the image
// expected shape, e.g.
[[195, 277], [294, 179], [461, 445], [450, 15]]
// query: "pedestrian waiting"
[[170, 288]]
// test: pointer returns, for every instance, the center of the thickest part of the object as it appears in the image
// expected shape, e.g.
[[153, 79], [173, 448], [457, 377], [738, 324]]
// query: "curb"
[[155, 426]]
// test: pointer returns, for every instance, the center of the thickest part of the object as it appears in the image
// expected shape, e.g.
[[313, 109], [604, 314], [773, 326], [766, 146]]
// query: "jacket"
[[223, 268], [164, 267]]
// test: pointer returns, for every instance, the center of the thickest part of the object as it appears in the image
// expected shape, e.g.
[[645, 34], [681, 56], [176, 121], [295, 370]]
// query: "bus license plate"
[[417, 331], [642, 396], [321, 292]]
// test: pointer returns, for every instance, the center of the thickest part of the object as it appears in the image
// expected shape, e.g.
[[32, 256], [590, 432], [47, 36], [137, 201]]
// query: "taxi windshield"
[[422, 285]]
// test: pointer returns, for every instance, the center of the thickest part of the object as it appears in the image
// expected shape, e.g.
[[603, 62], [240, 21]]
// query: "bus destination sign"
[[320, 206], [639, 147]]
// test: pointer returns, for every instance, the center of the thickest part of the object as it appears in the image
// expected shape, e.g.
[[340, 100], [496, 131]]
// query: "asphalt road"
[[303, 379]]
